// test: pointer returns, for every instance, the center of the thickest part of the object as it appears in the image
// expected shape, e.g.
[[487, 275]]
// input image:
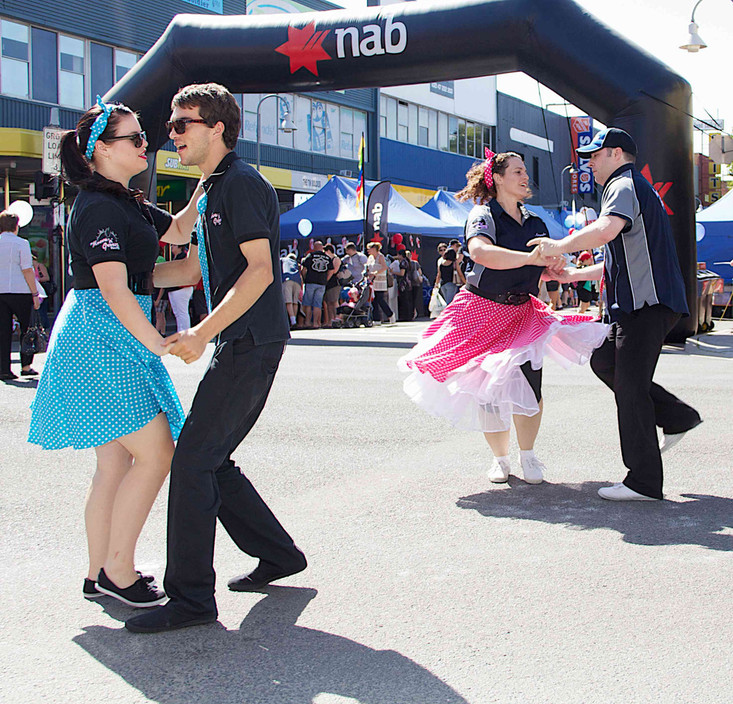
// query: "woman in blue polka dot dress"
[[104, 384]]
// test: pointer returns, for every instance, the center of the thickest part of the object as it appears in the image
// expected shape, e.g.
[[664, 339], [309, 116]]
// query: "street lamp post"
[[286, 124], [573, 170]]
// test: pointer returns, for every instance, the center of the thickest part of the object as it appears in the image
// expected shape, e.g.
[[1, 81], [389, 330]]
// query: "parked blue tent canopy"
[[444, 205], [332, 211], [715, 236]]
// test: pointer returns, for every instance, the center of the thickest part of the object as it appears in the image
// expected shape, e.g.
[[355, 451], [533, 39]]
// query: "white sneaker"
[[620, 492], [533, 470], [669, 440], [499, 471]]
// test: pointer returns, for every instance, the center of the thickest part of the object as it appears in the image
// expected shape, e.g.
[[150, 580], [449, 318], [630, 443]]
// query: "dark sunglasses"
[[180, 125], [137, 138]]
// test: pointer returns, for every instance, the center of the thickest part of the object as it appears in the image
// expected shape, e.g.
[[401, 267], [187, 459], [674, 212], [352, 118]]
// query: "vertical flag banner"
[[360, 183], [376, 226], [581, 131]]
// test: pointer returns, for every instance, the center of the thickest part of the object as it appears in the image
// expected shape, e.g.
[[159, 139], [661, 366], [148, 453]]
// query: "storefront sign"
[[445, 88], [171, 190], [581, 132], [310, 183], [51, 146], [210, 5]]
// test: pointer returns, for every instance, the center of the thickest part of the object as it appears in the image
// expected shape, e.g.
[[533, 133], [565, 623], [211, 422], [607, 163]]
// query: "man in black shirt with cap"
[[236, 252], [645, 297]]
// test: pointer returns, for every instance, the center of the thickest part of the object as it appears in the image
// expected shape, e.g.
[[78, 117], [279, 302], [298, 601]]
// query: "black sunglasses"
[[180, 125], [137, 138]]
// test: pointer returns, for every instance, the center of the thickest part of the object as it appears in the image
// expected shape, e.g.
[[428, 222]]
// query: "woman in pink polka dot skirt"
[[479, 364]]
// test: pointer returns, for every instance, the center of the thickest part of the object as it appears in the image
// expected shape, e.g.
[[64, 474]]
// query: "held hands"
[[548, 248], [562, 275], [189, 345], [539, 257]]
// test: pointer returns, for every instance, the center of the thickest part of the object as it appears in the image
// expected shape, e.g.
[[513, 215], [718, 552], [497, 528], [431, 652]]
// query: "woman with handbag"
[[104, 384], [18, 293], [479, 364]]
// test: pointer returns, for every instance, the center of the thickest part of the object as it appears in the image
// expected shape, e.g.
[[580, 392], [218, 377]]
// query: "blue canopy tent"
[[715, 236], [443, 205], [332, 211]]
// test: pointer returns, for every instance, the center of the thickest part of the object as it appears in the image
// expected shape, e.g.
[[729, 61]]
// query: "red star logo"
[[660, 187], [304, 48]]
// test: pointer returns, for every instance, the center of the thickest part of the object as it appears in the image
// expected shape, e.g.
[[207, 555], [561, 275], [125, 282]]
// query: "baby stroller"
[[359, 312]]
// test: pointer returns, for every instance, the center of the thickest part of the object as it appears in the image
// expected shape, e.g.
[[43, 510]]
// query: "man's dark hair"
[[452, 242], [329, 248], [351, 245], [215, 104], [8, 223]]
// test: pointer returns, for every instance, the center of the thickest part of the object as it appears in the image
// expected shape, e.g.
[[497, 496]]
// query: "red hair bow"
[[489, 168]]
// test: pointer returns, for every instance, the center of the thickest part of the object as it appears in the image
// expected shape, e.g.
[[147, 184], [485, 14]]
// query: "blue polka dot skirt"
[[99, 382]]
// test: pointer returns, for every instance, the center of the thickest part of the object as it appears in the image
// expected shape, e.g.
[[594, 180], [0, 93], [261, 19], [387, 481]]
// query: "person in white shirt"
[[18, 292]]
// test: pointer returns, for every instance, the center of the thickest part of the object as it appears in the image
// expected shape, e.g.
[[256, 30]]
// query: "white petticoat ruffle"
[[485, 393]]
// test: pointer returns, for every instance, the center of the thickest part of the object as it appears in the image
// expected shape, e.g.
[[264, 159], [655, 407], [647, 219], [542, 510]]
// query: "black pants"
[[625, 363], [206, 484], [18, 304], [380, 303]]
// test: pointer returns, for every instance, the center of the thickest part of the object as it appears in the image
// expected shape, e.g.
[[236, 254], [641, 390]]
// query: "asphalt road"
[[426, 583]]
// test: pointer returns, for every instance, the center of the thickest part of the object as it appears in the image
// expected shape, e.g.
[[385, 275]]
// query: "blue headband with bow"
[[98, 126]]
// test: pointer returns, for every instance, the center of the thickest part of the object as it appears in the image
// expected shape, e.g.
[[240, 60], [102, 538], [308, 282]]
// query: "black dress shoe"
[[265, 573], [28, 372], [8, 376], [166, 618]]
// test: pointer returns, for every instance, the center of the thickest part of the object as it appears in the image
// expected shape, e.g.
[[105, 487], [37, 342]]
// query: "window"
[[461, 136], [44, 65], [124, 61], [412, 123], [302, 122], [432, 129], [536, 171], [359, 130], [319, 126], [402, 120], [71, 72], [453, 134], [101, 61], [14, 61], [391, 118], [285, 107], [382, 116], [249, 116], [268, 121], [442, 131], [348, 143], [470, 139], [488, 140], [423, 129]]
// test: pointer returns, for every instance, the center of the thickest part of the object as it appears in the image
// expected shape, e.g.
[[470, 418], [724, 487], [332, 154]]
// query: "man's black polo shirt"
[[494, 223], [242, 206]]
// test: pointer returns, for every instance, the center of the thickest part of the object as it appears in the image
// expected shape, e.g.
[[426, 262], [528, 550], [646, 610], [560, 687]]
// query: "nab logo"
[[580, 124], [305, 49]]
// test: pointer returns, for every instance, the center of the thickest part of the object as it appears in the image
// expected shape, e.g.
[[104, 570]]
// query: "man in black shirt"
[[316, 265], [236, 252]]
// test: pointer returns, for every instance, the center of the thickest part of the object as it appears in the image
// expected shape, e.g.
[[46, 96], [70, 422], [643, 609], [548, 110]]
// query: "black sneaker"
[[90, 590], [141, 594], [267, 572]]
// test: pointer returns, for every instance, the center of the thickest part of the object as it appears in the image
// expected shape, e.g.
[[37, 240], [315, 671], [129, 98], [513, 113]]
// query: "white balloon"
[[23, 210], [699, 231], [305, 227]]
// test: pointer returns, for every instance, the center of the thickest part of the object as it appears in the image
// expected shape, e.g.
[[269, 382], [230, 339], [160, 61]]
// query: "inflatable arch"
[[554, 41]]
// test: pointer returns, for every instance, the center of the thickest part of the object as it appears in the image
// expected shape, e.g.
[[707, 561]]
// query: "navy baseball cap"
[[611, 137]]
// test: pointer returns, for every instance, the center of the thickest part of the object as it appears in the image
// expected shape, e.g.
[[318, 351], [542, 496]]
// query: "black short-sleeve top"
[[242, 206], [494, 223], [108, 228]]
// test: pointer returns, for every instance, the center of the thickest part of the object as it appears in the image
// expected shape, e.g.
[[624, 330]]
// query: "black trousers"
[[380, 302], [625, 363], [205, 483], [18, 304]]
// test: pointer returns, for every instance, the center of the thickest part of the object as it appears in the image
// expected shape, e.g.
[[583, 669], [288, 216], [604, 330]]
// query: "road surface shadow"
[[315, 342], [692, 519], [269, 660]]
